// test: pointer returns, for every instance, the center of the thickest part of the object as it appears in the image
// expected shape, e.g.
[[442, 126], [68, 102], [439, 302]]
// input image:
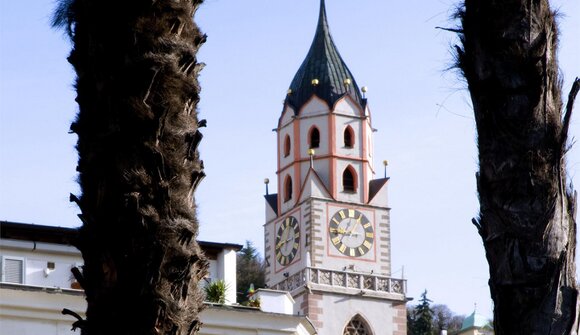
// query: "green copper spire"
[[324, 64]]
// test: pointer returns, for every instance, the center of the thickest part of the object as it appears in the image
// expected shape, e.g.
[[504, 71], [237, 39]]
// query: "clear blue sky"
[[422, 113]]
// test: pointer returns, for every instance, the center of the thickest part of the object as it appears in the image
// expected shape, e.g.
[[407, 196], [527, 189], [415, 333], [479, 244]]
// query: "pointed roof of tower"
[[323, 63], [475, 320]]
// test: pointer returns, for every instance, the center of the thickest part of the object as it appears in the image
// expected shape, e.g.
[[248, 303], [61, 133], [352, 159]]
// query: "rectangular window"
[[12, 270]]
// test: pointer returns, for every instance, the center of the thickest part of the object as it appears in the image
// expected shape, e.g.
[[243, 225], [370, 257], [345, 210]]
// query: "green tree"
[[445, 319], [442, 318], [251, 270], [410, 319], [527, 208], [421, 317], [138, 163]]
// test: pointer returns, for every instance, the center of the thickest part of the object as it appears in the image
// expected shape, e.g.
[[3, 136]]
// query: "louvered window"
[[348, 180], [13, 270], [287, 146], [314, 138], [348, 137], [288, 189]]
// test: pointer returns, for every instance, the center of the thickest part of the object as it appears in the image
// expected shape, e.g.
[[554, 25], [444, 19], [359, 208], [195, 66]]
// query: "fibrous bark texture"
[[527, 209], [138, 166]]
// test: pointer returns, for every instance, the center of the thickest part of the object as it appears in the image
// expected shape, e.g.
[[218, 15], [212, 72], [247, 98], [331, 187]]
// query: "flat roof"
[[67, 236]]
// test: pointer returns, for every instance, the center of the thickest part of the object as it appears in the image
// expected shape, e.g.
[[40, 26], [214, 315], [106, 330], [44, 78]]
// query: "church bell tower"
[[327, 230]]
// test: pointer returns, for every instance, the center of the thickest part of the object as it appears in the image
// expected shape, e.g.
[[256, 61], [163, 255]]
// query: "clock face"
[[287, 240], [351, 232]]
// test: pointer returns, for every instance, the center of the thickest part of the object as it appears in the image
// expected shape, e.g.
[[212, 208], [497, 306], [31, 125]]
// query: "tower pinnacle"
[[324, 64]]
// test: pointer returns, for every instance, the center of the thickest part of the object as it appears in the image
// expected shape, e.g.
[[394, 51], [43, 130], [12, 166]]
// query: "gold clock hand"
[[347, 231], [288, 244], [351, 231], [338, 230], [284, 238]]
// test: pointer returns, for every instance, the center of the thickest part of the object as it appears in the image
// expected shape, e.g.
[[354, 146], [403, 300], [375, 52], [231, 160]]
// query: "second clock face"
[[287, 240], [351, 232]]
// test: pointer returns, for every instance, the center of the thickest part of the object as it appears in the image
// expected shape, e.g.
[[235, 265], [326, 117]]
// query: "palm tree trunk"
[[137, 128], [527, 209]]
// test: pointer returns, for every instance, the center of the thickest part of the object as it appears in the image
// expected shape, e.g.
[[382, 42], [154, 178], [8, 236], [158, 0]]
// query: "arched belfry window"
[[348, 137], [349, 180], [357, 326], [288, 189], [314, 138], [287, 146]]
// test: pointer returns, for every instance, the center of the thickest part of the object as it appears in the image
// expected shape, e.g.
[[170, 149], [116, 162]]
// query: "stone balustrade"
[[343, 279]]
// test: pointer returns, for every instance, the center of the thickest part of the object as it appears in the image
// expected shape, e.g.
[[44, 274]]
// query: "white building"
[[37, 284]]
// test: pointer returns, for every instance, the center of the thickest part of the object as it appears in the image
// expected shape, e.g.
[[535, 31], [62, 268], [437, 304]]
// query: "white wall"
[[226, 266], [39, 313], [36, 257], [274, 301], [247, 321], [338, 310], [35, 312]]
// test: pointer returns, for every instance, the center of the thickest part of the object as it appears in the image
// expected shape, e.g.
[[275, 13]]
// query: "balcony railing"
[[343, 279]]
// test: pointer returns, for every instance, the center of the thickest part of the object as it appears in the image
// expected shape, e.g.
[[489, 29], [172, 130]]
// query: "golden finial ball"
[[347, 81], [289, 91], [266, 181], [385, 162], [315, 82], [364, 89], [311, 152]]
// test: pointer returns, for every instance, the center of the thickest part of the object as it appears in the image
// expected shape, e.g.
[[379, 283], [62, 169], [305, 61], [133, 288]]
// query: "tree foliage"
[[420, 318], [251, 271], [445, 319], [427, 319]]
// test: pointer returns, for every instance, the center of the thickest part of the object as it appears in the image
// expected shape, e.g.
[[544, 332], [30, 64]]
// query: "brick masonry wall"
[[311, 306], [400, 319]]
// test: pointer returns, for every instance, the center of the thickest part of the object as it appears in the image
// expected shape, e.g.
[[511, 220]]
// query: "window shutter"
[[12, 271]]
